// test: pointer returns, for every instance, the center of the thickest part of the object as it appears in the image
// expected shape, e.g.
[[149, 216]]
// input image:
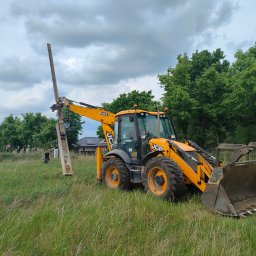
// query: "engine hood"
[[183, 146], [161, 144]]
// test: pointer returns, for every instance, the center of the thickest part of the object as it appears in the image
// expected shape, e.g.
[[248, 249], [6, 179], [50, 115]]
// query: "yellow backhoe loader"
[[142, 148]]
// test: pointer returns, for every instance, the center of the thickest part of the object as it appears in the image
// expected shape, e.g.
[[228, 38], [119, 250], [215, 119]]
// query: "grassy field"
[[44, 213]]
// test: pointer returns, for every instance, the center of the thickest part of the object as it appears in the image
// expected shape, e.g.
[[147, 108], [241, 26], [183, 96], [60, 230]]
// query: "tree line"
[[212, 100], [31, 131], [209, 99]]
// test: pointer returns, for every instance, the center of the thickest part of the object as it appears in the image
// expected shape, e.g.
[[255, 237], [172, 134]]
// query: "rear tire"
[[116, 174], [164, 179]]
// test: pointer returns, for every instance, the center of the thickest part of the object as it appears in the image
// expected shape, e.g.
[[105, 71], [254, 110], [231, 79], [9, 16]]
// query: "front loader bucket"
[[231, 190]]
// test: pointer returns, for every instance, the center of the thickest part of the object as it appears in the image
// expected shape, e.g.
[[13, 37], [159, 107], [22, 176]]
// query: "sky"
[[104, 48]]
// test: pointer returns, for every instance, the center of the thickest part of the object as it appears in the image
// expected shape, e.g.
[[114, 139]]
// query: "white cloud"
[[71, 64], [100, 94], [104, 48], [116, 41], [35, 99], [95, 95]]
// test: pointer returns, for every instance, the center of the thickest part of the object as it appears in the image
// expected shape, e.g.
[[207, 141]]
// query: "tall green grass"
[[44, 213]]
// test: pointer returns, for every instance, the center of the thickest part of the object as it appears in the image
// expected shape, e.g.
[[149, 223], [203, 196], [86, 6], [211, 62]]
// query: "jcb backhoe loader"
[[142, 148]]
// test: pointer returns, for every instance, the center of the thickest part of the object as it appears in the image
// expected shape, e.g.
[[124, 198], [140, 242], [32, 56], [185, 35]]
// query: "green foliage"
[[194, 92], [44, 213], [29, 131], [34, 127], [46, 136], [11, 133], [124, 101], [33, 130], [241, 102], [210, 100], [74, 128], [100, 132]]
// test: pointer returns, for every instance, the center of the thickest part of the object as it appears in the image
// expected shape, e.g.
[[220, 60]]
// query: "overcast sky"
[[103, 48]]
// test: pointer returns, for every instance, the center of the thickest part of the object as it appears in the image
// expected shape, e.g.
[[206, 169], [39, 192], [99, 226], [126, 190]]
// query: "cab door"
[[128, 136]]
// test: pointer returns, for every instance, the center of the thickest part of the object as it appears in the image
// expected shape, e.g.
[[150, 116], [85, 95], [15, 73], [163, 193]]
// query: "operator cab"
[[134, 128]]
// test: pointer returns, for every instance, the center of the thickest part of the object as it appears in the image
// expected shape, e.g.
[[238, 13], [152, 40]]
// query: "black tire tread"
[[175, 177], [124, 174]]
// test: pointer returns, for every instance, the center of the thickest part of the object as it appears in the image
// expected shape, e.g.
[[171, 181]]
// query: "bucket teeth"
[[249, 211]]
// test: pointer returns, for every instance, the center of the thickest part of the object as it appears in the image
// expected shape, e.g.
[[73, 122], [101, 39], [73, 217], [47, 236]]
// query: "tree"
[[143, 99], [32, 124], [46, 137], [10, 133], [29, 131], [124, 101], [241, 100], [74, 128], [177, 96], [194, 92]]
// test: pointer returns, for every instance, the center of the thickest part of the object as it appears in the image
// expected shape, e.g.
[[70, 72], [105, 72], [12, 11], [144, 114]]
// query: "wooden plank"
[[64, 152], [60, 128]]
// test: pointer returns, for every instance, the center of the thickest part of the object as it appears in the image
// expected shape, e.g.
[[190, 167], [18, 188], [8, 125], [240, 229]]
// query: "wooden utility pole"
[[60, 128]]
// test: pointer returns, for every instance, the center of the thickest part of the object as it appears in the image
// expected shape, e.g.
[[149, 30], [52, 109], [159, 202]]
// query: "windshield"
[[148, 126]]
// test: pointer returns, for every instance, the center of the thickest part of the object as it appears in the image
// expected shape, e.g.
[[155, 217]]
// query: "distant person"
[[46, 157]]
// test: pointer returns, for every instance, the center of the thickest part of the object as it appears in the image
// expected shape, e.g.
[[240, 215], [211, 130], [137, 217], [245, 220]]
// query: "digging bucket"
[[231, 190]]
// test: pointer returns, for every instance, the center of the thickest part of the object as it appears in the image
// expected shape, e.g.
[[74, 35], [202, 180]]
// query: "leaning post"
[[60, 128]]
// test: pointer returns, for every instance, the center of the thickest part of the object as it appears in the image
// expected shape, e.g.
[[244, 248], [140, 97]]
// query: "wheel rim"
[[112, 177], [157, 181]]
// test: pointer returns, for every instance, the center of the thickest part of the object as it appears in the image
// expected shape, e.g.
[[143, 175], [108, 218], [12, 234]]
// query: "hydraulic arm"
[[106, 118]]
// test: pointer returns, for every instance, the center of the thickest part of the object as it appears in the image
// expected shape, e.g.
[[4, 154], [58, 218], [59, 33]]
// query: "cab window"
[[127, 136]]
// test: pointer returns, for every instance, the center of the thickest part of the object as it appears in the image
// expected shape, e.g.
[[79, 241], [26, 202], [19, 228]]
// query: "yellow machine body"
[[163, 164]]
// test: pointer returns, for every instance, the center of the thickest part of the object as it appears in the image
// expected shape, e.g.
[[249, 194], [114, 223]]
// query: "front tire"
[[164, 179], [116, 174]]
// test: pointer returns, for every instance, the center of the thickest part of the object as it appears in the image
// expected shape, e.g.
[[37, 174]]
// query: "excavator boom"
[[106, 118]]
